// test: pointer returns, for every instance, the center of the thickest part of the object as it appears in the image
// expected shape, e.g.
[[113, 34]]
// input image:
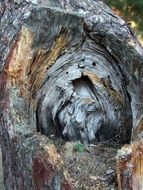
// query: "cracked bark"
[[70, 69]]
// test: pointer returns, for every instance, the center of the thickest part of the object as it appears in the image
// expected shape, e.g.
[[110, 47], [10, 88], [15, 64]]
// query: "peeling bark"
[[130, 167], [70, 69]]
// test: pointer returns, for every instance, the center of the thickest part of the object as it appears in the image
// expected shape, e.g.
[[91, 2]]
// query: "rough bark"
[[72, 69], [130, 161], [130, 167]]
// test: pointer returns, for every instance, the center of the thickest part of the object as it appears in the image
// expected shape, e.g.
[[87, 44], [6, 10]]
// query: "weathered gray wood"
[[98, 48], [68, 68], [113, 79]]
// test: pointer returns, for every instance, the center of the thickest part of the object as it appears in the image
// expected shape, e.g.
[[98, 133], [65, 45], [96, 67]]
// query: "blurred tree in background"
[[131, 11]]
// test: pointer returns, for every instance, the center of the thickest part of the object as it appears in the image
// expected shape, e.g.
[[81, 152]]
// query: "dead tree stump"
[[67, 68]]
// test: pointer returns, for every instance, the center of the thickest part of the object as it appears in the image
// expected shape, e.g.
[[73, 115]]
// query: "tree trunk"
[[130, 161], [70, 69], [130, 167]]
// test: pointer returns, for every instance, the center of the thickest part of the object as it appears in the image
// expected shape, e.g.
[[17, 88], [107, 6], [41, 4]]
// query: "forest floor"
[[90, 167]]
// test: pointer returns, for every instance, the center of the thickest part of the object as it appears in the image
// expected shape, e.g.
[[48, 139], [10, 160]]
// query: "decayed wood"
[[130, 167], [73, 70], [68, 68]]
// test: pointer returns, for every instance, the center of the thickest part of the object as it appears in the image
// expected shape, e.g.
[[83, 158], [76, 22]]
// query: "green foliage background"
[[130, 10]]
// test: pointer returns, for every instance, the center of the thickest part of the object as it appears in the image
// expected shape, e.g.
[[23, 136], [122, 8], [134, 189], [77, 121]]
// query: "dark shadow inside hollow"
[[84, 88], [55, 130]]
